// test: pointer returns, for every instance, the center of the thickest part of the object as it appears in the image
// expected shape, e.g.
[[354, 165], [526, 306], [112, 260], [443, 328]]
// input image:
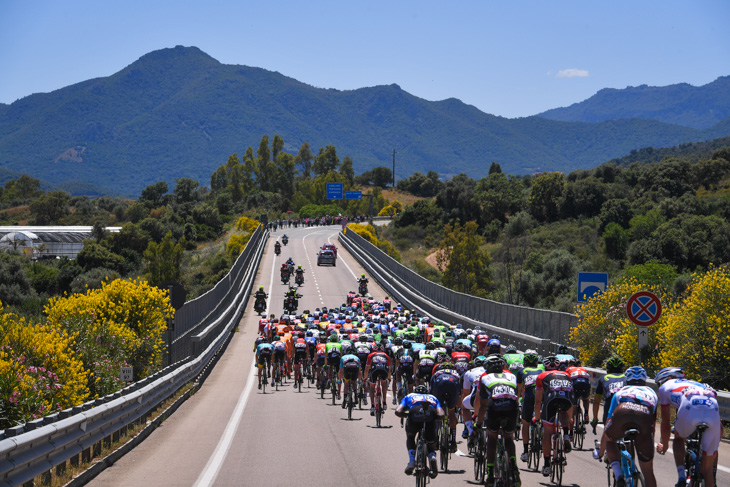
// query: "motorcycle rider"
[[300, 276], [261, 295], [363, 282], [292, 293], [285, 239], [277, 247]]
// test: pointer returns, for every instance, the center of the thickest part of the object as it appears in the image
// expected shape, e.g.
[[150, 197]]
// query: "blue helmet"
[[635, 376]]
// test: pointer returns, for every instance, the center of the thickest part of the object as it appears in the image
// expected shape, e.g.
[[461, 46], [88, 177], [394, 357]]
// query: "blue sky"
[[510, 58]]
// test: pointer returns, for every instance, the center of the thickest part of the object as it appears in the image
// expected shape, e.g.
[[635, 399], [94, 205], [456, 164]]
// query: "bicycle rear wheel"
[[444, 448], [639, 479], [579, 430], [264, 380], [421, 469], [535, 448]]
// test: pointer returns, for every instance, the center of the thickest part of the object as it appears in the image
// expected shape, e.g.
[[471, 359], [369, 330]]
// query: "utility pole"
[[393, 168]]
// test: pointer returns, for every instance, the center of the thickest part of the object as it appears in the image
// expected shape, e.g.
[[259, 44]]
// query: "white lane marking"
[[210, 472]]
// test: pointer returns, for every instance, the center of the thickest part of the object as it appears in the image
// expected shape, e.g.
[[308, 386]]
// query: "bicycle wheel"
[[444, 448], [264, 380], [277, 378], [579, 430], [334, 392], [535, 447], [350, 404], [639, 479], [505, 474], [421, 469]]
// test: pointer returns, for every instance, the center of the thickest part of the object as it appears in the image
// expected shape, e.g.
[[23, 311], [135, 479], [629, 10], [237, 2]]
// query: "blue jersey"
[[348, 359], [466, 342], [562, 357], [412, 399], [643, 395], [264, 346], [417, 347]]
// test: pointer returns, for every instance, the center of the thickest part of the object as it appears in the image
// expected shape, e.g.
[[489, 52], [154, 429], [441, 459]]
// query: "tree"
[[457, 198], [381, 176], [15, 285], [163, 260], [346, 169], [495, 168], [617, 241], [95, 255], [465, 265], [499, 196], [546, 194], [304, 159], [49, 208], [152, 195], [276, 146], [185, 190], [326, 161]]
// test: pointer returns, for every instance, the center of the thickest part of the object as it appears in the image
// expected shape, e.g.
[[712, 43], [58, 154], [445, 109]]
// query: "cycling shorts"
[[425, 371], [581, 387], [300, 357], [351, 373], [320, 360], [263, 360], [629, 415], [501, 419], [405, 372], [279, 355], [694, 410], [447, 391], [414, 427], [528, 409], [379, 372], [550, 408]]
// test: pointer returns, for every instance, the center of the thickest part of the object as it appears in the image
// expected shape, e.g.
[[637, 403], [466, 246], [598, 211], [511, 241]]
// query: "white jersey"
[[672, 391], [471, 377]]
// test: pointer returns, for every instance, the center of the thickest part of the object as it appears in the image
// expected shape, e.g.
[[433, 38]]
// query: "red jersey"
[[460, 357], [376, 358]]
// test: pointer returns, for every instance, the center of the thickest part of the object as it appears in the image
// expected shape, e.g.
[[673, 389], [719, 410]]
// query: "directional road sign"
[[644, 308], [353, 195], [334, 191], [590, 284]]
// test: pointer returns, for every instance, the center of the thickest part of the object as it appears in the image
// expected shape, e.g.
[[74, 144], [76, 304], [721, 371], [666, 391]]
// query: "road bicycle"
[[349, 398], [558, 460], [323, 380], [421, 470], [693, 456], [378, 404], [333, 388], [360, 393], [535, 446], [298, 375], [264, 378], [278, 374], [480, 453], [503, 472], [309, 373], [579, 427], [443, 443], [629, 471]]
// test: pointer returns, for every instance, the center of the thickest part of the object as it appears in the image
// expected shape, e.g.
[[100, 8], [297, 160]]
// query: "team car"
[[326, 257]]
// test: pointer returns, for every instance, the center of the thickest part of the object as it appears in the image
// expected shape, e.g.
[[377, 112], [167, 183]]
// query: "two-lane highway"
[[230, 434]]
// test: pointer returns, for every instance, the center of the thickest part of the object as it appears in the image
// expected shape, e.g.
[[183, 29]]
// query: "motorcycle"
[[260, 305], [363, 288], [291, 304], [299, 279], [277, 250], [285, 240], [285, 276]]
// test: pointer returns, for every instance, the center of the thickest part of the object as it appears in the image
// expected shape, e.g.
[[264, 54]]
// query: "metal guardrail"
[[35, 448], [412, 298]]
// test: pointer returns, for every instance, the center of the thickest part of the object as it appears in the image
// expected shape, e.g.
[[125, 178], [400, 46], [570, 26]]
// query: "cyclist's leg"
[[384, 389]]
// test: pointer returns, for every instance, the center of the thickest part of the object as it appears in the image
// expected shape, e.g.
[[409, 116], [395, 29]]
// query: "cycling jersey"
[[634, 407], [581, 381], [695, 403], [500, 392], [350, 364], [528, 378], [379, 363], [460, 357], [556, 388], [607, 386], [638, 395], [445, 386]]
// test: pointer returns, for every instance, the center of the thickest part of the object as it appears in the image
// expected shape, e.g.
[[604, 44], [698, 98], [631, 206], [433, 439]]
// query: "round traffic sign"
[[644, 308]]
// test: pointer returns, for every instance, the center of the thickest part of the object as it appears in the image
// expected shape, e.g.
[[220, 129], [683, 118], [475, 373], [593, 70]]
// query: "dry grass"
[[393, 194]]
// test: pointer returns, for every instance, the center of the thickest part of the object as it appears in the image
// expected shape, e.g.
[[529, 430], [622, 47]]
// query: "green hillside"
[[180, 113]]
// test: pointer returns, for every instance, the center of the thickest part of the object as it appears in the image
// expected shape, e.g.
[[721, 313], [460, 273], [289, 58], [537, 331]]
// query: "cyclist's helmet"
[[614, 365], [635, 376], [444, 365], [551, 363], [494, 364], [309, 333], [419, 339], [334, 338], [531, 358], [494, 346], [407, 344], [421, 389], [495, 336], [669, 373], [363, 338], [511, 349], [430, 346], [577, 363], [436, 333], [563, 350], [322, 339], [479, 361], [460, 347], [398, 341]]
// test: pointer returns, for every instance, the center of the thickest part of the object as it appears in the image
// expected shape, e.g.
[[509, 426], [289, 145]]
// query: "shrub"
[[368, 233]]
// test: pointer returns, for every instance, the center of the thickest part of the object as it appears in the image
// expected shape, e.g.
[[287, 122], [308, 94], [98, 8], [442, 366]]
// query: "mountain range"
[[178, 112]]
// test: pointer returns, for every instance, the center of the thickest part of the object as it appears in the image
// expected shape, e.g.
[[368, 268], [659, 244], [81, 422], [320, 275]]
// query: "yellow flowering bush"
[[132, 311], [236, 244], [246, 224], [368, 233], [604, 328], [387, 211], [39, 371], [696, 330]]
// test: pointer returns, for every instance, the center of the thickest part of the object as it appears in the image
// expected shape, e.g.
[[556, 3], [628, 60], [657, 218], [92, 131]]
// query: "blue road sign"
[[353, 195], [334, 191], [590, 284]]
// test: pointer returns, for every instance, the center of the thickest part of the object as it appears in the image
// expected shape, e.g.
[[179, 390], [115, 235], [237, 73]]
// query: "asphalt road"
[[230, 434]]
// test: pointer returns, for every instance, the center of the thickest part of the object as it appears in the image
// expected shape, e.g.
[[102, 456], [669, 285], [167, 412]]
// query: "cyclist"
[[377, 369], [553, 389], [445, 386], [526, 381], [497, 399], [581, 385], [421, 407], [403, 364], [300, 356], [321, 358], [632, 407], [482, 340], [514, 359], [264, 351], [349, 370], [280, 350], [564, 356], [334, 354], [607, 387], [695, 403], [494, 347], [423, 366], [469, 383]]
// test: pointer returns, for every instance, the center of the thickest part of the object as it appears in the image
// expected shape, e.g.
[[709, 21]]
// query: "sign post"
[[643, 309]]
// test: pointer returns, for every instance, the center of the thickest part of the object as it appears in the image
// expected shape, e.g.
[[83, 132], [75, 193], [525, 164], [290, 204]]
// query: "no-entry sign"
[[644, 308]]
